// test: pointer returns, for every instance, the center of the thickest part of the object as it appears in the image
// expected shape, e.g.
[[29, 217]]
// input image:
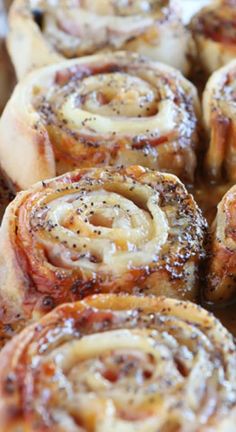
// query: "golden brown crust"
[[120, 363], [99, 230], [214, 31], [220, 121], [42, 33], [100, 110], [222, 269]]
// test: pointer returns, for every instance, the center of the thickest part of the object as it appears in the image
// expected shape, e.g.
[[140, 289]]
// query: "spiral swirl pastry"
[[116, 109], [120, 363], [99, 230], [214, 31], [220, 121], [222, 266], [44, 33]]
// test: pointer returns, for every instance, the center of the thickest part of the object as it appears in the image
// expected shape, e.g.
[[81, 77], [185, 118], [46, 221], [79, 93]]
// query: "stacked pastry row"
[[103, 248], [41, 34], [116, 109], [122, 233]]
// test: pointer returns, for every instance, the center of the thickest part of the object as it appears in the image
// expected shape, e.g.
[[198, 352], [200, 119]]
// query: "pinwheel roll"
[[41, 33], [220, 120], [121, 363], [99, 230], [214, 30], [222, 268], [99, 110]]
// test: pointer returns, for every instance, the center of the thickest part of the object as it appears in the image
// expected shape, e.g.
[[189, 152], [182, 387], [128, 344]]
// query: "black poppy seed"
[[8, 328], [48, 302], [9, 385]]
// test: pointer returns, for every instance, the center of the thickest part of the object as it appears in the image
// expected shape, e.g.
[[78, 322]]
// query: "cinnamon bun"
[[99, 230], [120, 363], [100, 110], [43, 32]]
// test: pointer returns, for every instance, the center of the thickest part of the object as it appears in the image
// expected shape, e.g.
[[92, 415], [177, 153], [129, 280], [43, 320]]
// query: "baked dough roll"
[[219, 111], [41, 33], [214, 31], [100, 110], [99, 230], [222, 266], [121, 363]]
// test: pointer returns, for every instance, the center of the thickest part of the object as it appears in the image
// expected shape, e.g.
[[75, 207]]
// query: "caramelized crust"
[[99, 230], [222, 269], [100, 110], [214, 30], [120, 363], [43, 33], [220, 120]]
